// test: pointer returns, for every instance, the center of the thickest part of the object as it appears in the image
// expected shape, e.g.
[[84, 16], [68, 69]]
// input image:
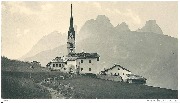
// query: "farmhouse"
[[125, 74], [117, 70], [78, 63]]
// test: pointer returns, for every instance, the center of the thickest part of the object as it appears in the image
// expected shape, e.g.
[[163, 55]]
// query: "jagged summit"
[[102, 18], [151, 26], [122, 27]]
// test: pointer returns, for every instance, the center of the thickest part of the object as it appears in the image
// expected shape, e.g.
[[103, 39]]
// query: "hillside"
[[93, 88], [149, 54], [78, 87], [17, 65]]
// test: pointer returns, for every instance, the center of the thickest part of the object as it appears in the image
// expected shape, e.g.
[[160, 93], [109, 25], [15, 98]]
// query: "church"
[[77, 63]]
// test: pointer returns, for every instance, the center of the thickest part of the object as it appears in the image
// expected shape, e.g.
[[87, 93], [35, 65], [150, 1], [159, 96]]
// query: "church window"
[[81, 69], [56, 65], [81, 61], [89, 61], [53, 65], [89, 69], [98, 59], [59, 65]]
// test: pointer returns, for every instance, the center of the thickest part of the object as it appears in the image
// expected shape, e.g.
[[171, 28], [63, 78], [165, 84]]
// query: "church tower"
[[71, 36]]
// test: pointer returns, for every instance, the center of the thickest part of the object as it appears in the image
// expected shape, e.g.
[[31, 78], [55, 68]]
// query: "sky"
[[24, 23]]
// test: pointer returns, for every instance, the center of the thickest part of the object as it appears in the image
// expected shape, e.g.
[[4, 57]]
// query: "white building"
[[80, 63], [117, 70], [56, 64], [125, 74]]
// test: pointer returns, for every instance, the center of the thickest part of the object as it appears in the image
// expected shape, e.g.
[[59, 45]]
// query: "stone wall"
[[109, 77]]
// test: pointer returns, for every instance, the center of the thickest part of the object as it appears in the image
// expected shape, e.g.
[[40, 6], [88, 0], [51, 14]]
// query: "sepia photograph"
[[89, 50]]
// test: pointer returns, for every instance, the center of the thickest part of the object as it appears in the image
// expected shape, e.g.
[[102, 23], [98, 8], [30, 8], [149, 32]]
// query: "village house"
[[78, 63], [56, 64], [125, 74], [117, 70]]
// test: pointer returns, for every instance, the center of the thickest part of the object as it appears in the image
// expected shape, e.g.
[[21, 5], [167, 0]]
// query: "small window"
[[123, 73], [89, 69], [118, 73], [53, 65], [56, 65], [81, 61], [98, 59], [89, 61], [111, 74], [81, 69], [59, 65], [118, 68], [64, 68]]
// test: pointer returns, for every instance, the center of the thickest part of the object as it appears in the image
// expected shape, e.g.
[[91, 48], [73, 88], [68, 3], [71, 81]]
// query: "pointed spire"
[[71, 10]]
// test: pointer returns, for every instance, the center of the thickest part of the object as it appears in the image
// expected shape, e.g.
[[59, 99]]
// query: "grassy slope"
[[21, 88], [86, 87], [17, 84]]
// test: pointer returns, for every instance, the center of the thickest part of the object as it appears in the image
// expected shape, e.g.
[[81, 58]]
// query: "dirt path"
[[54, 93]]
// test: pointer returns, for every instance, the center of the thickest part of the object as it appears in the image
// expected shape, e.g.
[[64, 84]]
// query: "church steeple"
[[71, 10], [71, 36], [71, 19]]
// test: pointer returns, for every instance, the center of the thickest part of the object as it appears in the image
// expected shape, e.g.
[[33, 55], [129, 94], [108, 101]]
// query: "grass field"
[[91, 88], [20, 85], [21, 88], [18, 81]]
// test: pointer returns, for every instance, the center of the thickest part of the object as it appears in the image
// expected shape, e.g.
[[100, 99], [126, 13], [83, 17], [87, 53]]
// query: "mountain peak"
[[122, 27], [151, 26], [102, 18]]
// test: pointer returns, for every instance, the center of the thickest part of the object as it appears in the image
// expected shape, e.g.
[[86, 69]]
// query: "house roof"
[[57, 59], [116, 66], [35, 62], [84, 55], [73, 57]]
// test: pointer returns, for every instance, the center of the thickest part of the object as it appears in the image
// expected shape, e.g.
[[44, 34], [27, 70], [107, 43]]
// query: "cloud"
[[135, 19], [126, 15], [20, 32], [97, 5], [27, 8], [19, 7], [46, 7]]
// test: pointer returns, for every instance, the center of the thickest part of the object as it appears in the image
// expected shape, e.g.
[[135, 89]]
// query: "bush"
[[90, 75]]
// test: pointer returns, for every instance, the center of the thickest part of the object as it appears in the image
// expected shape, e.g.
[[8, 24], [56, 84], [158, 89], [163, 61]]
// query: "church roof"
[[84, 55]]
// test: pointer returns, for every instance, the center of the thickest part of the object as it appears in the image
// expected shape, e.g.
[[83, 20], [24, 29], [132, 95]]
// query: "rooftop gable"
[[117, 65]]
